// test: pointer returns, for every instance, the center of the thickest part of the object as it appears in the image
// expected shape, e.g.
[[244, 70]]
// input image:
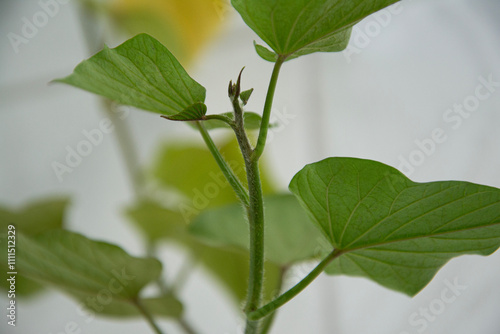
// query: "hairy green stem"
[[256, 223], [266, 114], [287, 296], [239, 130], [147, 316], [255, 212], [233, 180]]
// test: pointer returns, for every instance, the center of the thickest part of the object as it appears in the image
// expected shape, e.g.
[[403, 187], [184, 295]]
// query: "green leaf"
[[140, 72], [245, 96], [194, 112], [231, 267], [392, 230], [300, 27], [36, 217], [289, 235], [157, 222], [165, 306], [78, 265], [265, 53]]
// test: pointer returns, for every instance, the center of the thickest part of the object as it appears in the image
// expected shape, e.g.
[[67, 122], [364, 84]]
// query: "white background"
[[375, 105]]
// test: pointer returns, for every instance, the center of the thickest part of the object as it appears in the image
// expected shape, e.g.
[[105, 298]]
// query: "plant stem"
[[233, 180], [256, 222], [185, 326], [90, 27], [255, 210], [269, 320], [147, 316], [182, 276], [287, 296], [151, 251], [266, 114], [127, 148], [239, 130]]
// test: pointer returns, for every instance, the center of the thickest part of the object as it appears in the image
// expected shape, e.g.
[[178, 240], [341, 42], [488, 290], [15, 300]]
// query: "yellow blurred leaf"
[[184, 26]]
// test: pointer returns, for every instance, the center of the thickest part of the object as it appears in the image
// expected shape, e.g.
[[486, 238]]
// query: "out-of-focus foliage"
[[184, 26]]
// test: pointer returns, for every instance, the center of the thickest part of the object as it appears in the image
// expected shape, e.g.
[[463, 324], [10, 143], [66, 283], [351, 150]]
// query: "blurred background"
[[400, 82]]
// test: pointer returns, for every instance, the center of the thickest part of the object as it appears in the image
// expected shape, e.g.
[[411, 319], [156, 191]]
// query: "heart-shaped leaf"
[[392, 230], [140, 72], [300, 27], [289, 235]]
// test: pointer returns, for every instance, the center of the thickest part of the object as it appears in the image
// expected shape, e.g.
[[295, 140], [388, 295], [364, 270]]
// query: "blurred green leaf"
[[231, 267], [157, 222], [289, 236], [140, 72], [228, 265], [392, 230], [74, 263], [191, 170], [165, 306], [300, 27], [34, 218]]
